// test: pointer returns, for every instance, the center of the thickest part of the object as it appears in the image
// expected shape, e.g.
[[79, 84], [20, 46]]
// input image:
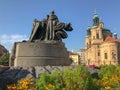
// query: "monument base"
[[39, 53]]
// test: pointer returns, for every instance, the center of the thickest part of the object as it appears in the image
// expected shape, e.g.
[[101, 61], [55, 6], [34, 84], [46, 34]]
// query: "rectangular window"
[[98, 46], [81, 54], [98, 53], [105, 55], [97, 36]]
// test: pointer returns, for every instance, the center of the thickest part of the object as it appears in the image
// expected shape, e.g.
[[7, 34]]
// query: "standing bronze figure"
[[49, 29]]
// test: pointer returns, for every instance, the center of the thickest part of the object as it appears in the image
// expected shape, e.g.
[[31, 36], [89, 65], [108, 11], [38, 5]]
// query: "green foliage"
[[71, 60], [109, 78], [75, 78], [78, 78], [107, 71], [50, 81], [4, 59]]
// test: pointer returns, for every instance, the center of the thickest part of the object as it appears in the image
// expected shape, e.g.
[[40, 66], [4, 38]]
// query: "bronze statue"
[[49, 29], [48, 35]]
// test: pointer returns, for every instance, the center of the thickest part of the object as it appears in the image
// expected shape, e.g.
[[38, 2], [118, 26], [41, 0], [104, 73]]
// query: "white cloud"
[[8, 40]]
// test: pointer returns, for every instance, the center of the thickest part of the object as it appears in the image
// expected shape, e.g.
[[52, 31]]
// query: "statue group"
[[49, 29], [45, 46]]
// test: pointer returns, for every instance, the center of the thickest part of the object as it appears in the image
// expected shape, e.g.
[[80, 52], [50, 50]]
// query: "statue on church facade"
[[49, 29]]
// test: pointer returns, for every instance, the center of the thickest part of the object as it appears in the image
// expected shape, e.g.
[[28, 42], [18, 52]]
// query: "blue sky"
[[17, 16]]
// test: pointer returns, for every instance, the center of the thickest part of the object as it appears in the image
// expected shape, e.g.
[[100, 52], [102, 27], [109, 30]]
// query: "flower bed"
[[78, 78]]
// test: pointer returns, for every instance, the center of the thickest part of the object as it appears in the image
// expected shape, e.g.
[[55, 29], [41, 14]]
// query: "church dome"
[[95, 16]]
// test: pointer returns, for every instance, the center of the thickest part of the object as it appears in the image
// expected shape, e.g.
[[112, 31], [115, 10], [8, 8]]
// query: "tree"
[[4, 59]]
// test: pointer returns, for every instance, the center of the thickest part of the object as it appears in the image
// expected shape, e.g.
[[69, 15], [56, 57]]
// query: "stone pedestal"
[[43, 53]]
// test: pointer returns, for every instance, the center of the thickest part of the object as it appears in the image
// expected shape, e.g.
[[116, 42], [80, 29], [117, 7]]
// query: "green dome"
[[95, 16], [94, 27], [88, 27], [87, 36], [106, 30], [115, 33]]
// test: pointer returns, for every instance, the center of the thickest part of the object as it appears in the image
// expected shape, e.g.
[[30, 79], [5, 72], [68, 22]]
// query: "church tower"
[[94, 33], [96, 30], [95, 36], [95, 19]]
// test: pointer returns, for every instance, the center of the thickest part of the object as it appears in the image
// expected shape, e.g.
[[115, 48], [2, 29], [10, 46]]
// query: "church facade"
[[102, 47]]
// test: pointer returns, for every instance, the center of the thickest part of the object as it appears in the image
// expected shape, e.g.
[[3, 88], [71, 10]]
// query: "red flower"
[[82, 76]]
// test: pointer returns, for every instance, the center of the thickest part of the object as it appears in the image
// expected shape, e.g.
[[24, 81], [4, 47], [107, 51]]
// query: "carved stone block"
[[42, 53]]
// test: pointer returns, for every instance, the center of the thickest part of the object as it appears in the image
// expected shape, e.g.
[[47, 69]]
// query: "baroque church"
[[102, 46]]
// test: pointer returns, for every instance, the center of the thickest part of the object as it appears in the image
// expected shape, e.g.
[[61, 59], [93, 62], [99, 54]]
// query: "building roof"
[[109, 38], [81, 50], [106, 30], [72, 53]]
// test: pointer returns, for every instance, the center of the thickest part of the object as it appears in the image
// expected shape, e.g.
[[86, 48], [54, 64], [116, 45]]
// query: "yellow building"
[[101, 47], [74, 57], [81, 54]]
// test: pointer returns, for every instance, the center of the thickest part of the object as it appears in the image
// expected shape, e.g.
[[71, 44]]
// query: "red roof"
[[72, 53], [109, 38]]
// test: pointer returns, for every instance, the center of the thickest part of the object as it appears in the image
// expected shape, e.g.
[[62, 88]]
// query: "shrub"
[[4, 59], [106, 71], [109, 78], [50, 81], [78, 78]]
